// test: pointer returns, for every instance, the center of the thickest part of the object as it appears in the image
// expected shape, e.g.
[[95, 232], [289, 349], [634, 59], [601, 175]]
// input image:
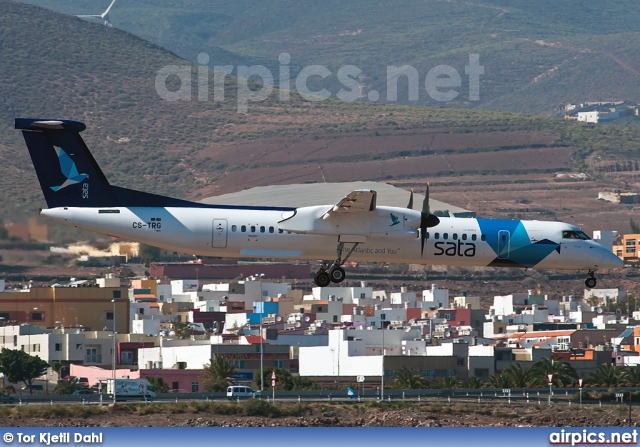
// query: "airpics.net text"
[[442, 83]]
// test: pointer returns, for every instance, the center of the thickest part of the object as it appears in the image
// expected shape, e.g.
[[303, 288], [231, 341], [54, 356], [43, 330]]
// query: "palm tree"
[[520, 378], [409, 379], [605, 375], [499, 380], [447, 383], [630, 376], [159, 384], [563, 372], [218, 374], [474, 383]]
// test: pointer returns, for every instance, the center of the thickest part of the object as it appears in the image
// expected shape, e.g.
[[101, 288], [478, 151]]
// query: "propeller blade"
[[425, 202], [427, 220], [423, 235], [410, 205]]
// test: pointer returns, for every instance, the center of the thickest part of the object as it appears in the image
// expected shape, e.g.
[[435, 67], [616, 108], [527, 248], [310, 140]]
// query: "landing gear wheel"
[[331, 271], [337, 274], [322, 279], [590, 283]]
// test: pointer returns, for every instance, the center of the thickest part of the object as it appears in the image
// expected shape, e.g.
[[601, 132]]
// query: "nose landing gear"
[[334, 272], [591, 281]]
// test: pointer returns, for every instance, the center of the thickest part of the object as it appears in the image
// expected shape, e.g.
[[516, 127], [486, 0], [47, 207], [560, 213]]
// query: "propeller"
[[427, 220]]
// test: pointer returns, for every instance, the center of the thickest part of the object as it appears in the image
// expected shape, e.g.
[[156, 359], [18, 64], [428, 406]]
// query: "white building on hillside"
[[344, 294], [435, 298], [354, 352]]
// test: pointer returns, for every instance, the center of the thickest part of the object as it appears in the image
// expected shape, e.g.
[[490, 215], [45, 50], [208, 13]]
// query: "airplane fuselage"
[[261, 232]]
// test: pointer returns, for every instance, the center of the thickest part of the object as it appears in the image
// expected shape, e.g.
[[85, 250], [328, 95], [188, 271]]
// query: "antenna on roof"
[[104, 16]]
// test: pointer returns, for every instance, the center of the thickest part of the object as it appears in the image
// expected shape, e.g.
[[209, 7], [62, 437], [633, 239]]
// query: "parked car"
[[83, 391], [5, 398], [33, 388], [242, 392], [81, 381]]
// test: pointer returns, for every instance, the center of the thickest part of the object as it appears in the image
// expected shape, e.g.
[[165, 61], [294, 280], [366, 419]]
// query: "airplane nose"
[[610, 261]]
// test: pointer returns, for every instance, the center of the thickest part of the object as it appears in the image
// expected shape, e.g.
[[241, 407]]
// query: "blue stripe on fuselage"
[[521, 251]]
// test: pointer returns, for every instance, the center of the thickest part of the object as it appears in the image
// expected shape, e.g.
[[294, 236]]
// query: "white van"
[[241, 392]]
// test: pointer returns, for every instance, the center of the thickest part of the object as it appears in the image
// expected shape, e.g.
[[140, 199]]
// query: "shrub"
[[259, 407]]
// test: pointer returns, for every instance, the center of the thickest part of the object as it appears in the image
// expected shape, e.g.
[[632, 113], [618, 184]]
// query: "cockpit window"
[[575, 235]]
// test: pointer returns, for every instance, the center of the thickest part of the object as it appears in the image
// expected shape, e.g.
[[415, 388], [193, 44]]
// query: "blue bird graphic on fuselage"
[[394, 219], [69, 170]]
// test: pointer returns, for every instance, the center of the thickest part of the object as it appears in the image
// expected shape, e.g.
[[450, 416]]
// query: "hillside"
[[494, 162], [536, 55]]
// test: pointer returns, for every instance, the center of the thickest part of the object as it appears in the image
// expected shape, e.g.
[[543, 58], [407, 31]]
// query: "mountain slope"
[[536, 54]]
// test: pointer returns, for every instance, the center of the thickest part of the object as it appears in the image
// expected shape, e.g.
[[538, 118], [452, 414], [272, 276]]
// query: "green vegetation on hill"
[[536, 55], [58, 66]]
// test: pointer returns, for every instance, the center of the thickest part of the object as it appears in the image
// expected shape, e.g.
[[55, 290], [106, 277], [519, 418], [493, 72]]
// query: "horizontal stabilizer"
[[48, 124]]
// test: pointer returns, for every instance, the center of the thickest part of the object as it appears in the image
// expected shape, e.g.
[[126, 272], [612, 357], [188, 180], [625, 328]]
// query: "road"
[[501, 396]]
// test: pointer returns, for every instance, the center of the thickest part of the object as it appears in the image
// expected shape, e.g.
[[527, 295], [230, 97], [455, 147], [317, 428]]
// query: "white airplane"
[[78, 194], [104, 16]]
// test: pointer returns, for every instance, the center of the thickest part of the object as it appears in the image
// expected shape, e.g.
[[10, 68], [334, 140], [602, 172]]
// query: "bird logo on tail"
[[69, 170]]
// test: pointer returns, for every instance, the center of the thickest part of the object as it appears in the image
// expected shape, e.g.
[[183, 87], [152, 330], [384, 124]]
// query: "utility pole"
[[630, 394], [113, 374], [382, 375], [260, 276]]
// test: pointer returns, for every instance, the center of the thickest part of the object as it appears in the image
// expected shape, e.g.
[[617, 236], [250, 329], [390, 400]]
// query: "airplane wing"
[[360, 200]]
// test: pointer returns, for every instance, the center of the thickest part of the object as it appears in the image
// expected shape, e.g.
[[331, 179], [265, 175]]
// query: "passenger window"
[[473, 237], [243, 228], [280, 231], [271, 229], [483, 237], [234, 228], [455, 236], [436, 236], [445, 236], [253, 228], [262, 229], [464, 237], [426, 235]]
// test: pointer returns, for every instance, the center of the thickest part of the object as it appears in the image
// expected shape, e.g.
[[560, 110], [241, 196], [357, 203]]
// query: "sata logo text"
[[466, 249]]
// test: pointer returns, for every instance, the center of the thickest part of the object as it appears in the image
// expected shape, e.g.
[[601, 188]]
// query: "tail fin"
[[68, 173]]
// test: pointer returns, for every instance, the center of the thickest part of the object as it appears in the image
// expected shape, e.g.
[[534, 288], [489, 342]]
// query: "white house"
[[182, 354], [505, 305], [399, 298], [435, 297], [604, 295], [344, 294], [353, 352]]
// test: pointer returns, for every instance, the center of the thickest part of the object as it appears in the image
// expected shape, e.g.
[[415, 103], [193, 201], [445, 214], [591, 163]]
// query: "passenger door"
[[219, 238]]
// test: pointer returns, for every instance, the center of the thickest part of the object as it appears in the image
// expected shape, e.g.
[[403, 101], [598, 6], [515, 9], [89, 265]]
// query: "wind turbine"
[[104, 16]]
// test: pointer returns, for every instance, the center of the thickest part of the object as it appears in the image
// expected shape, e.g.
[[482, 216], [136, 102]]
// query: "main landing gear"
[[333, 272], [591, 282]]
